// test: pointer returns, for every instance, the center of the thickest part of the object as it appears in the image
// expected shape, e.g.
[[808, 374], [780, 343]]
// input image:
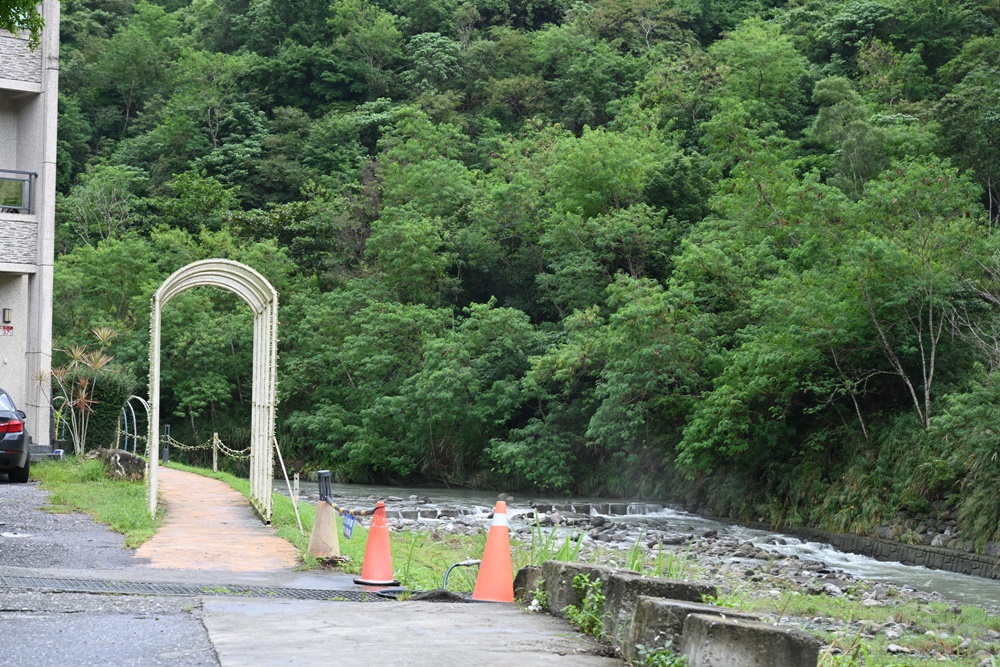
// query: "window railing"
[[17, 191]]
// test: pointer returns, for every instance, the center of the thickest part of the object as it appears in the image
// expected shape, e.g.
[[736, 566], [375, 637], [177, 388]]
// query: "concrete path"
[[210, 526], [396, 634]]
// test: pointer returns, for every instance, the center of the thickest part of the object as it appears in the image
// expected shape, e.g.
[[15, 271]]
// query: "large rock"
[[121, 464], [713, 641]]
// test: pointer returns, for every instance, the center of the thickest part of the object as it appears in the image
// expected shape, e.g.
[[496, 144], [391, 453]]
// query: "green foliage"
[[661, 657], [18, 15], [589, 614], [965, 459], [545, 545], [633, 248], [762, 68]]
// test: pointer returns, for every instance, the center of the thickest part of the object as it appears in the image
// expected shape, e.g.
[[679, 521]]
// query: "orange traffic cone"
[[495, 582], [377, 567], [323, 541]]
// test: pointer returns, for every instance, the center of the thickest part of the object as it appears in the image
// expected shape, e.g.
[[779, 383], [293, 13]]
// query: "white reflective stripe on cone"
[[500, 520]]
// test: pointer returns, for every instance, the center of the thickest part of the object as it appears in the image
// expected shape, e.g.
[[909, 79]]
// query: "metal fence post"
[[215, 452], [325, 486], [166, 443], [295, 486]]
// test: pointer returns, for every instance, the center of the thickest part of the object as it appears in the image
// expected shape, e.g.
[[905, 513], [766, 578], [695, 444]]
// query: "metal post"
[[135, 428], [325, 486], [166, 443], [215, 452], [295, 486]]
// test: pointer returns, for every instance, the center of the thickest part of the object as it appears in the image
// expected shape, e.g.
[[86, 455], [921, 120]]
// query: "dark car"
[[13, 441]]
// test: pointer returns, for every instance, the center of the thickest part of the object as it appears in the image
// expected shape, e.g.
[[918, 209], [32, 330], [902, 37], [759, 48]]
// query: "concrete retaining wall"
[[657, 613], [658, 623], [936, 558], [622, 591], [714, 641], [558, 578]]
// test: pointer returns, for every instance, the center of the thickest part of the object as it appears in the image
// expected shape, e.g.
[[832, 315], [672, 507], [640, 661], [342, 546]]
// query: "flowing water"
[[639, 516]]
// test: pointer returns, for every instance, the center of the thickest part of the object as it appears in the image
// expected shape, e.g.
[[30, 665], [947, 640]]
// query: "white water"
[[959, 587]]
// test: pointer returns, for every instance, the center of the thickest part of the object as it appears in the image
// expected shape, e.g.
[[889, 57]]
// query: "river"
[[639, 516]]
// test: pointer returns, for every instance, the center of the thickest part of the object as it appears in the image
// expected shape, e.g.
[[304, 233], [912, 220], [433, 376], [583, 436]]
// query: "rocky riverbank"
[[611, 532], [803, 592]]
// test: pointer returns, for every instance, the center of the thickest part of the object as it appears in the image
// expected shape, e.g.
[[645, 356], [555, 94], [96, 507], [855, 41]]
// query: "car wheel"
[[19, 475]]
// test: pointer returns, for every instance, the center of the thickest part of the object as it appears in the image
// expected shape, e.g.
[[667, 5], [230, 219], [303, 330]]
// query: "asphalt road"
[[49, 629]]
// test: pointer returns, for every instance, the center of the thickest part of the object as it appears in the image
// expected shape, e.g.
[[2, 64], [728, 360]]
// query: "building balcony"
[[18, 222]]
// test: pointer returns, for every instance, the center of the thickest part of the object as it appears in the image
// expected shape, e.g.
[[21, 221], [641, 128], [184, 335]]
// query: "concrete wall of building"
[[8, 130], [29, 97], [31, 133], [14, 337], [22, 67], [46, 114]]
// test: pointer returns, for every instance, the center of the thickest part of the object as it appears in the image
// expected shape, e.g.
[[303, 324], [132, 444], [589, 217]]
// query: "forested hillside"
[[738, 249]]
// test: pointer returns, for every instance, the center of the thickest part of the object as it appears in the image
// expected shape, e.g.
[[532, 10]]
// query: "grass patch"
[[81, 485], [863, 641]]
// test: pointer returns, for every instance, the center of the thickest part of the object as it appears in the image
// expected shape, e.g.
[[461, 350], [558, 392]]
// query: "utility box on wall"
[[29, 92]]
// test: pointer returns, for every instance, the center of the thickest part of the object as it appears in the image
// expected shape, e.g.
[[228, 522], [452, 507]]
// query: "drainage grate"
[[156, 588]]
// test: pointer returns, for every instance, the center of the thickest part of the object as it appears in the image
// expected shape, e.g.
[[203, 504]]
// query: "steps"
[[38, 452]]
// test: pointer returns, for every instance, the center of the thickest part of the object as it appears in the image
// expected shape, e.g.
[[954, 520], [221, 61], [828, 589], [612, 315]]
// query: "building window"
[[16, 191]]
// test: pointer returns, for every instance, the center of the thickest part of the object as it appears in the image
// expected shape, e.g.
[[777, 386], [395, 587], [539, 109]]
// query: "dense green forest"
[[740, 251]]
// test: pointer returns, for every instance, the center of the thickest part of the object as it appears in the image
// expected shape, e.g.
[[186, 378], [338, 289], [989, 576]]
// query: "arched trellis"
[[257, 293], [127, 410]]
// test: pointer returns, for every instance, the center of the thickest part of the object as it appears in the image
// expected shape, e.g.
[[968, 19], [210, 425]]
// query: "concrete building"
[[29, 97]]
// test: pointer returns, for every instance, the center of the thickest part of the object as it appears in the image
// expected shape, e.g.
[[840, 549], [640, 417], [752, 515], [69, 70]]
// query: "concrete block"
[[658, 623], [623, 589], [713, 641], [559, 576], [526, 582]]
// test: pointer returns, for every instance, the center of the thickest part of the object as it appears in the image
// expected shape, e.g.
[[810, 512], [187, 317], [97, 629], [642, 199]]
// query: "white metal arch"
[[262, 299]]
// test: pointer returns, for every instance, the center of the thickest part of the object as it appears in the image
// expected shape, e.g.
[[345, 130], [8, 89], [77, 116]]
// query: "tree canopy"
[[18, 15], [739, 252]]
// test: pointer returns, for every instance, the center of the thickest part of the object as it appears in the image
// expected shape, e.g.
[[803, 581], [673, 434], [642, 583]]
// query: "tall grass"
[[546, 545]]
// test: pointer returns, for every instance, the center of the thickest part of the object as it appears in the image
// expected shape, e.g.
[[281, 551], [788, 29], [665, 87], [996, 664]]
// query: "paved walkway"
[[210, 526]]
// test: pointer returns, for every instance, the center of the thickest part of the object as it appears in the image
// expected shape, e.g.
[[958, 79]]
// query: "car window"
[[6, 403]]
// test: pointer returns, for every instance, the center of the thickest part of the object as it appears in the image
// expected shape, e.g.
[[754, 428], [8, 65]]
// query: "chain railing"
[[215, 444], [122, 435]]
